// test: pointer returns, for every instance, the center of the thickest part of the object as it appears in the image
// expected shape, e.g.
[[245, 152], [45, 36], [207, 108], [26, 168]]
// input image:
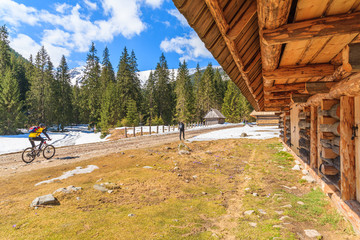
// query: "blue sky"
[[149, 27]]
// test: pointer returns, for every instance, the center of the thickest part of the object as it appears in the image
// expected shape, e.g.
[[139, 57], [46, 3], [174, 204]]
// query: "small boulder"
[[252, 224], [308, 178], [243, 134], [261, 211], [44, 200], [100, 188], [311, 233], [249, 212], [147, 167], [300, 203], [296, 167], [183, 146], [184, 152], [208, 152]]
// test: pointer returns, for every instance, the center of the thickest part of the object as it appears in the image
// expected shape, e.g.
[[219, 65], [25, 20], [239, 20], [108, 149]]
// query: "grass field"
[[199, 196]]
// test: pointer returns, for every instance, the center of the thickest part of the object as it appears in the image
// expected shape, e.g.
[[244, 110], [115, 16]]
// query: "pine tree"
[[163, 92], [205, 98], [219, 89], [132, 116], [10, 105], [38, 97], [62, 95], [197, 93], [4, 50], [91, 94], [184, 95], [150, 98]]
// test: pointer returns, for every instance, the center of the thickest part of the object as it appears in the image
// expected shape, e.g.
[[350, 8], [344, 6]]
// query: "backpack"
[[33, 129]]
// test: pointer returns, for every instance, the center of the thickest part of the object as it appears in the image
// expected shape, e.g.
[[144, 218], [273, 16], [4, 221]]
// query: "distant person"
[[182, 130], [34, 135]]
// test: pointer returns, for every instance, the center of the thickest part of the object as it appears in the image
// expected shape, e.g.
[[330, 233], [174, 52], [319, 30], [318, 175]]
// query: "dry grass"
[[203, 199]]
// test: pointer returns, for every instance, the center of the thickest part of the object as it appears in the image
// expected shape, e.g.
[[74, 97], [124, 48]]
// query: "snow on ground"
[[253, 132], [75, 135]]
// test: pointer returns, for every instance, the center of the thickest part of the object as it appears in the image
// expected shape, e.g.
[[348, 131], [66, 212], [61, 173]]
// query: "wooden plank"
[[305, 30], [357, 145], [318, 87], [299, 98], [327, 120], [313, 137], [307, 71], [347, 149], [234, 32], [326, 104], [294, 126], [354, 56], [286, 87], [328, 153], [310, 9]]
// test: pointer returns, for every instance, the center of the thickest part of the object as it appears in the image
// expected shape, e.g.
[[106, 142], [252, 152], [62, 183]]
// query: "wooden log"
[[331, 142], [299, 98], [328, 170], [305, 134], [333, 112], [313, 137], [327, 120], [328, 153], [354, 56], [304, 124], [347, 149], [304, 154], [326, 135], [332, 161], [305, 144], [357, 145], [303, 115], [334, 128], [326, 104], [305, 71], [318, 87], [285, 87], [321, 27]]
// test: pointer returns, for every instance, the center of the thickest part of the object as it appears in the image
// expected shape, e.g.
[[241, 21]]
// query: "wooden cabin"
[[300, 57], [266, 118], [214, 116]]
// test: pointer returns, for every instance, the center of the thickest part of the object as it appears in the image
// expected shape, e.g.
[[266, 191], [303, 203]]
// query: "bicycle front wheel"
[[49, 151], [28, 155]]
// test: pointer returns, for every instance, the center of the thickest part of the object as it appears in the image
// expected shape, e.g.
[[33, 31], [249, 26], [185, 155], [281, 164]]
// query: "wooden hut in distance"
[[266, 118], [214, 116], [302, 58]]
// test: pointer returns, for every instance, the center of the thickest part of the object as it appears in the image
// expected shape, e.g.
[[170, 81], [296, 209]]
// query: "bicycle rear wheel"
[[28, 155], [49, 151]]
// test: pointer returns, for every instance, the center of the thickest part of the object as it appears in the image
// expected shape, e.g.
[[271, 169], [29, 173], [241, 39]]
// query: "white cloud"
[[179, 16], [189, 47], [25, 45], [154, 3], [15, 13], [90, 5], [61, 8]]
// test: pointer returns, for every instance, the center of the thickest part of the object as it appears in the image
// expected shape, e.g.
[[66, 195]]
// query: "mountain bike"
[[29, 154]]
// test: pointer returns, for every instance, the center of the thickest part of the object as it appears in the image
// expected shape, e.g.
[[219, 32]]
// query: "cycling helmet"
[[42, 125]]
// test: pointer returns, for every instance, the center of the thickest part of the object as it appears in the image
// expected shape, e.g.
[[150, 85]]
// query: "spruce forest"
[[34, 91]]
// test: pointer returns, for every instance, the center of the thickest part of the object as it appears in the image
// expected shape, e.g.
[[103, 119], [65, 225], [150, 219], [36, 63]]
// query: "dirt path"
[[11, 164]]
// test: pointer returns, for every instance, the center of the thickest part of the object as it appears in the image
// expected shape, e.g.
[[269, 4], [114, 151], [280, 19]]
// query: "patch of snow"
[[77, 170]]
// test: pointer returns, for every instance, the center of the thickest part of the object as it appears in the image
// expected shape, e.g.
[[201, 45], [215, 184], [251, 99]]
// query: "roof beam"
[[285, 88], [321, 27], [234, 32], [307, 71], [224, 27]]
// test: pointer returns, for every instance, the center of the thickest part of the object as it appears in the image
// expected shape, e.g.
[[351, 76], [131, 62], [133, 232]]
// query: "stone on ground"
[[249, 212], [253, 224], [100, 188], [308, 178], [311, 233], [44, 200]]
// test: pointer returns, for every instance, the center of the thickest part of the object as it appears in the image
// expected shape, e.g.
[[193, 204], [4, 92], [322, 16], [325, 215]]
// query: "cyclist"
[[35, 135]]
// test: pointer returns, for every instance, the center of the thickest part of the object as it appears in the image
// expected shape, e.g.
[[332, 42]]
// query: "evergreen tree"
[[150, 98], [132, 116], [4, 50], [128, 83], [163, 93], [38, 97], [91, 94], [219, 89], [76, 102], [62, 95], [10, 105], [184, 95], [197, 93], [206, 96]]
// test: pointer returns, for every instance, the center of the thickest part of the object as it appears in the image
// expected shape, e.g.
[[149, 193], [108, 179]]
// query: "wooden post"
[[157, 128], [285, 128], [125, 132], [163, 128], [357, 146], [313, 137], [134, 132], [150, 129], [294, 126], [347, 149], [141, 130], [318, 143]]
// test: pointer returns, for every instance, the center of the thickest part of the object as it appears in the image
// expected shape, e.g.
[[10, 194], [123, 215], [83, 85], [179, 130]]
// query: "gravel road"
[[12, 163]]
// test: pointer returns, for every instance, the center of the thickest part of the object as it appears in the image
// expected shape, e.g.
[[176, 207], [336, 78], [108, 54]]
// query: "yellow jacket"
[[37, 133]]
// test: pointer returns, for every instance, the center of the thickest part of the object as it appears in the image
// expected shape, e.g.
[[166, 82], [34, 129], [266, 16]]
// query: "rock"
[[131, 156], [131, 215], [282, 167], [261, 211], [255, 194], [247, 178], [283, 218], [308, 178], [311, 233], [184, 152], [167, 148], [204, 193], [176, 168], [284, 149], [67, 190], [252, 224], [296, 168], [305, 172], [300, 203], [194, 177], [208, 152], [99, 180], [100, 188], [279, 212], [247, 189], [287, 206], [249, 212], [147, 167], [110, 191], [44, 200], [297, 162], [183, 146], [78, 198], [243, 134], [179, 175]]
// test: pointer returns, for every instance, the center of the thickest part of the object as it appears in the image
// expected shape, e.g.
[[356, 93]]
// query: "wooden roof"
[[214, 113], [277, 51], [255, 113]]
